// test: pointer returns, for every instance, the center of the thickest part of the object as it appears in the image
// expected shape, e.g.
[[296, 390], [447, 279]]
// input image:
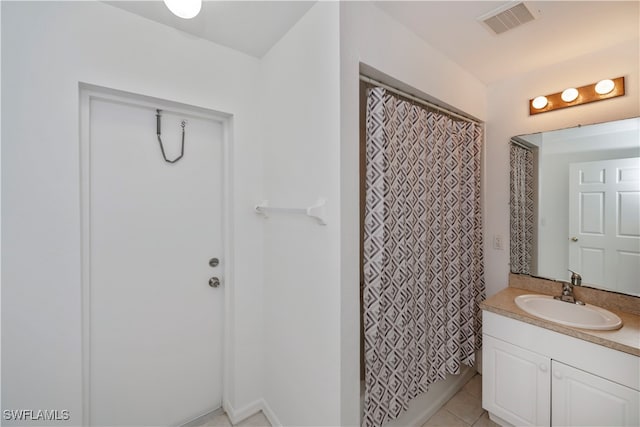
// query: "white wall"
[[47, 48], [508, 115], [0, 209], [386, 50], [301, 258], [310, 321]]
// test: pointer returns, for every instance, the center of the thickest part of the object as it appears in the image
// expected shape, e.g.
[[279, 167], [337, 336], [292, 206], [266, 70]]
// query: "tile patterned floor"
[[462, 410]]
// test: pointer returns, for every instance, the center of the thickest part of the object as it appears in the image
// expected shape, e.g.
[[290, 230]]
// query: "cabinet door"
[[516, 383], [583, 399]]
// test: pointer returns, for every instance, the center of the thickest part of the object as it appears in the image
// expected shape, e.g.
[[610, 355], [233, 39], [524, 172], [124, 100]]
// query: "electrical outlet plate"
[[498, 242]]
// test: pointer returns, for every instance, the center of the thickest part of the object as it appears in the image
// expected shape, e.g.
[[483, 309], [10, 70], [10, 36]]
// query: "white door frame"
[[88, 92]]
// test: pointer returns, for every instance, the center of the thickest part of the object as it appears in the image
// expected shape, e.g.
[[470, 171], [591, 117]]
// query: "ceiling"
[[252, 27], [562, 30]]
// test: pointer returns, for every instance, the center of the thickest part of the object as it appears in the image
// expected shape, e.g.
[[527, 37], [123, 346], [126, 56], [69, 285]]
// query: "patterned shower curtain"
[[521, 209], [423, 260]]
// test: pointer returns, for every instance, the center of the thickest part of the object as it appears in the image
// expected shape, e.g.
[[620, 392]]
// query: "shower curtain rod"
[[521, 145], [368, 79]]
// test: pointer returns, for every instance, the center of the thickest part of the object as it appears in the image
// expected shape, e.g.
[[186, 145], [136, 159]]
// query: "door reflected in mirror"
[[575, 205]]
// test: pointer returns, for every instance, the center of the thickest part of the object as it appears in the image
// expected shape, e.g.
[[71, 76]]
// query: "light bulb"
[[569, 95], [185, 9], [604, 86], [539, 102]]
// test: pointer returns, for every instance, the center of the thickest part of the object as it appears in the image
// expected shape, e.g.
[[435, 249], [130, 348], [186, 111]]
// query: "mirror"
[[575, 205]]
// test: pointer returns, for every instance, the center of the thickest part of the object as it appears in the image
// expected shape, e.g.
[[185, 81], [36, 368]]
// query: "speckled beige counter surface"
[[626, 339]]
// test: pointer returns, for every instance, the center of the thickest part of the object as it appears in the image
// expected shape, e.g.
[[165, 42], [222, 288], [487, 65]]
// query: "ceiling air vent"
[[506, 17]]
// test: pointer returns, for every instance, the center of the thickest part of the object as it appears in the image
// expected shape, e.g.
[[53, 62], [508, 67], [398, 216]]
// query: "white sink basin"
[[574, 315]]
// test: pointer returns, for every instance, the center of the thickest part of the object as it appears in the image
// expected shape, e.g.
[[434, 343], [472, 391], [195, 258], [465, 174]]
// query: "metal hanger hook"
[[158, 133]]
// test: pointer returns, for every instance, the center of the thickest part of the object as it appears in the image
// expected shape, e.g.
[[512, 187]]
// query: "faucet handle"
[[576, 279]]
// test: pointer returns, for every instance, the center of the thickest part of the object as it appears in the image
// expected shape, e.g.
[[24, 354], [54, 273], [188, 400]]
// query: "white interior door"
[[604, 223], [155, 352]]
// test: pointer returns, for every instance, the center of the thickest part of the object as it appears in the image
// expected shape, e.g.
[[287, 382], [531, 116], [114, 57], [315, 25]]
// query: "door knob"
[[214, 282], [574, 239]]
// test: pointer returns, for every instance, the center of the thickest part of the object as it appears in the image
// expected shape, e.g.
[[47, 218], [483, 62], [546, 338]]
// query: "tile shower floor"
[[462, 410]]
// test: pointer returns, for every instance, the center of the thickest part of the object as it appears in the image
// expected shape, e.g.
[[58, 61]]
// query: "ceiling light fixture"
[[570, 97], [185, 9], [539, 102], [605, 86]]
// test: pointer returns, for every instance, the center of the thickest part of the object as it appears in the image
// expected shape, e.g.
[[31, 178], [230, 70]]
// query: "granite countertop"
[[625, 339]]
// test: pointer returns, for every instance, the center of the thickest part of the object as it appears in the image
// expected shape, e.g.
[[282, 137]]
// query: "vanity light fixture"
[[604, 89], [185, 9], [569, 95], [605, 86], [539, 102]]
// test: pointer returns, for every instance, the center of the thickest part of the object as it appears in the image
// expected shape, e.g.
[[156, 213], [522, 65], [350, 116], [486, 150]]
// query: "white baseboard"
[[271, 416], [241, 414], [200, 420], [238, 415]]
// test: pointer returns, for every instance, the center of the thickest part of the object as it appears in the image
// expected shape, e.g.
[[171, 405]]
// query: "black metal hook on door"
[[158, 132]]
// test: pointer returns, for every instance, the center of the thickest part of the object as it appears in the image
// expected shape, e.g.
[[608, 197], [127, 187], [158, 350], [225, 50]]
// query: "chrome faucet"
[[576, 279], [567, 289]]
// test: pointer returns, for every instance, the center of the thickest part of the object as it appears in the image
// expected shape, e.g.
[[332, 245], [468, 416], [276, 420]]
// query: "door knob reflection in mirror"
[[214, 282]]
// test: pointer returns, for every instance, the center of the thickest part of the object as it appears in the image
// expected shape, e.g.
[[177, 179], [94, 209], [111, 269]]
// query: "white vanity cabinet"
[[536, 377], [583, 399], [516, 383]]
